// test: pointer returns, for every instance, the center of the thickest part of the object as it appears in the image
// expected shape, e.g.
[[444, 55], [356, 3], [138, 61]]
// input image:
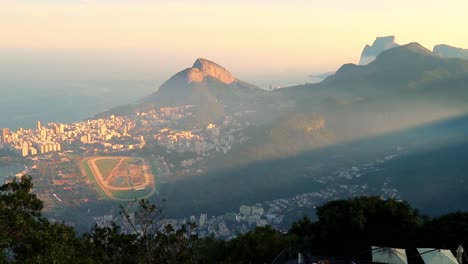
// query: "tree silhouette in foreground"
[[25, 235], [160, 243], [345, 229]]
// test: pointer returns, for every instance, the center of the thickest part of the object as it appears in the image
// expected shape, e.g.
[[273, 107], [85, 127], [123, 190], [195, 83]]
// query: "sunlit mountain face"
[[232, 115]]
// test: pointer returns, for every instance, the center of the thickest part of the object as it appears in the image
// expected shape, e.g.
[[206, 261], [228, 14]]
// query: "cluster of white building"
[[29, 142], [200, 141], [52, 138], [103, 131]]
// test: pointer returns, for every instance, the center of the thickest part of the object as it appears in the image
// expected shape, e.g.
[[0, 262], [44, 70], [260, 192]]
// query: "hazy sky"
[[246, 36]]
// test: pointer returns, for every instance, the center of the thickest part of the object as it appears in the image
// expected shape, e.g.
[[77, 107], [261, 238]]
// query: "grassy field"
[[130, 195], [90, 176], [106, 166], [120, 181], [127, 195], [154, 170]]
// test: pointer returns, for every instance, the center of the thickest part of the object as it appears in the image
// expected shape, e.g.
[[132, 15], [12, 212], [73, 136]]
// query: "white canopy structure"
[[460, 253], [437, 256], [389, 255]]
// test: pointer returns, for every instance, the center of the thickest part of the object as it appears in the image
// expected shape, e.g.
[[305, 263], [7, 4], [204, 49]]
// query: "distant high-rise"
[[43, 134], [202, 220], [25, 149], [5, 134], [61, 128], [39, 126], [103, 130]]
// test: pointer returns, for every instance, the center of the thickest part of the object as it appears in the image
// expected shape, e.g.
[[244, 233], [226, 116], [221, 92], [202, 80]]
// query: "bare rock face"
[[199, 72], [380, 45], [211, 69]]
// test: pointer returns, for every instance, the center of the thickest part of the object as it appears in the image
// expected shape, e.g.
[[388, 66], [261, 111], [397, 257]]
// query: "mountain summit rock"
[[380, 44], [203, 74], [200, 71], [211, 69]]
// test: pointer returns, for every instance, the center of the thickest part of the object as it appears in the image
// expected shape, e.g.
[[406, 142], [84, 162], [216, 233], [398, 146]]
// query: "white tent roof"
[[389, 255], [460, 252], [437, 256]]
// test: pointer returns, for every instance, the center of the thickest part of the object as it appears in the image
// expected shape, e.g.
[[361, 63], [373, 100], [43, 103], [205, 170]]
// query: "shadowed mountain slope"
[[424, 164]]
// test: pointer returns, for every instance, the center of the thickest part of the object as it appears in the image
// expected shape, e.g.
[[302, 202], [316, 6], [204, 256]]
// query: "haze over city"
[[190, 131]]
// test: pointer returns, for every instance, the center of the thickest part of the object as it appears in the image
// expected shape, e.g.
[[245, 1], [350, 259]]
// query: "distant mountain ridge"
[[405, 67], [403, 86], [382, 44], [447, 51]]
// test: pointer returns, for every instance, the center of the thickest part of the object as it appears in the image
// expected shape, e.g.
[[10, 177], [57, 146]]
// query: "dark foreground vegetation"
[[345, 230]]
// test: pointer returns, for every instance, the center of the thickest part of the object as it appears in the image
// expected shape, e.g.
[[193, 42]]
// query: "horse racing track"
[[120, 178]]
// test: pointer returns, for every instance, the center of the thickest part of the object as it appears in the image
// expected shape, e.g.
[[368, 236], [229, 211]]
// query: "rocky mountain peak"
[[384, 41], [211, 69], [380, 44], [198, 73]]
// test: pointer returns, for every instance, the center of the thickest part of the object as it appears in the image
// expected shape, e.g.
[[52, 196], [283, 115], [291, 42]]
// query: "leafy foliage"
[[343, 228], [261, 245], [25, 235], [355, 225], [109, 245]]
